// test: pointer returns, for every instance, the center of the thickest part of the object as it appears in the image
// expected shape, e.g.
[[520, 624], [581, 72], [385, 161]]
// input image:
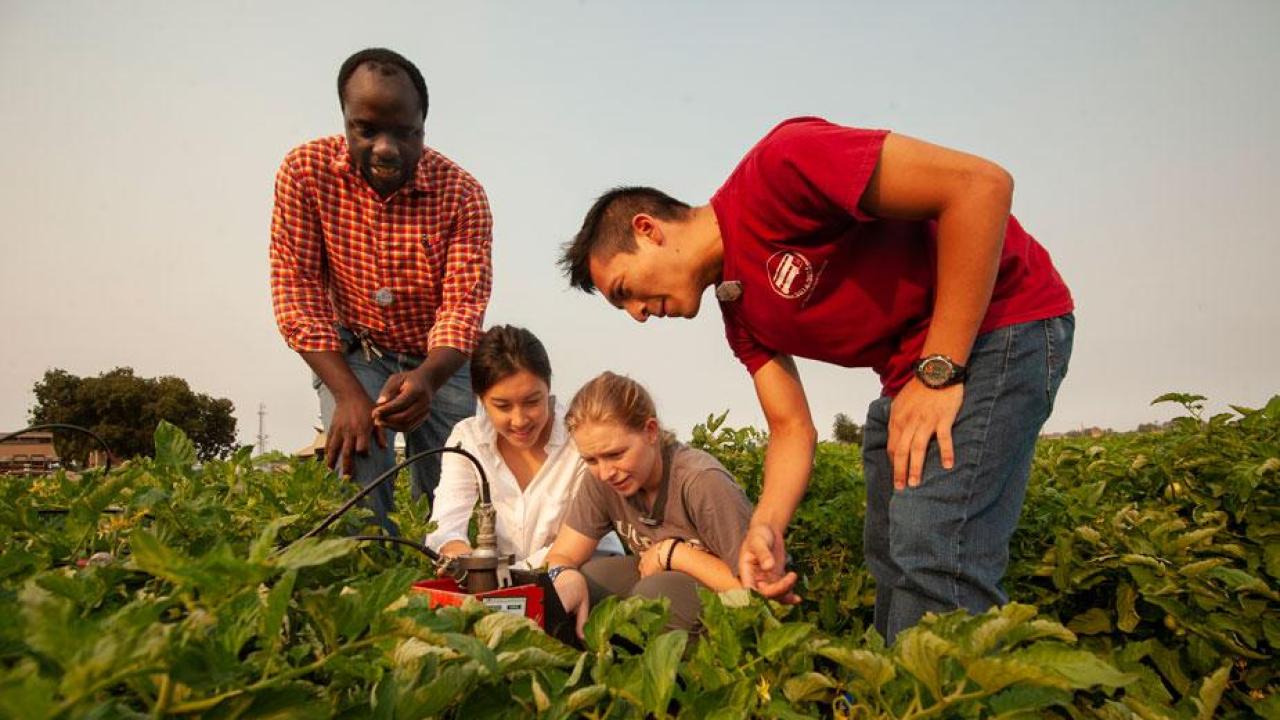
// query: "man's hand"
[[405, 401], [571, 586], [917, 414], [761, 562], [349, 432], [651, 560]]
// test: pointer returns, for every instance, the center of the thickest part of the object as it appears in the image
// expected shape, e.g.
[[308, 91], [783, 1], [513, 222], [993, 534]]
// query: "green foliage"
[[1144, 576], [125, 411], [1160, 550]]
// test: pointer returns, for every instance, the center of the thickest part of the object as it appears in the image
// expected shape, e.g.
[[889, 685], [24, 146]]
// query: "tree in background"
[[845, 430], [124, 409]]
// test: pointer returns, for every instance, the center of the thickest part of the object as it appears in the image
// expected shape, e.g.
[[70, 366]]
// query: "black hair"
[[606, 231], [385, 60], [505, 350]]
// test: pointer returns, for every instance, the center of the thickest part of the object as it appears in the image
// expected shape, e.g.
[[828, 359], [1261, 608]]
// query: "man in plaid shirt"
[[380, 274]]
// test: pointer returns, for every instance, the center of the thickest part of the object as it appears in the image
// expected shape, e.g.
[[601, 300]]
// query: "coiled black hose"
[[388, 475], [333, 517], [65, 426]]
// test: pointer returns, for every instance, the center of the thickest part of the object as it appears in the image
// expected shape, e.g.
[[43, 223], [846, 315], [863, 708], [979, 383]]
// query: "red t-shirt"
[[823, 280]]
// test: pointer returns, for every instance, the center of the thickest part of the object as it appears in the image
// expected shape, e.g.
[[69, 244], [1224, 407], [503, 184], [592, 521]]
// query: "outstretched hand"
[[917, 415], [761, 562]]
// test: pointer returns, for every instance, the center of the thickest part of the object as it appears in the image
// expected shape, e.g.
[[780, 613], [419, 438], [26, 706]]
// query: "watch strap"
[[959, 373]]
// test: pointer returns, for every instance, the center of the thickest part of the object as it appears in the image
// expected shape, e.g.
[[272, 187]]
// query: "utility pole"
[[262, 428]]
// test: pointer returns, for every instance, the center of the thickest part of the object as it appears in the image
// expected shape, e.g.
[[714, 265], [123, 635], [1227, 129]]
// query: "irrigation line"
[[65, 426]]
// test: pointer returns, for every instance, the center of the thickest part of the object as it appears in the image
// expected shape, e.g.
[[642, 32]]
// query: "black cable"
[[64, 426], [392, 473], [109, 510], [403, 541]]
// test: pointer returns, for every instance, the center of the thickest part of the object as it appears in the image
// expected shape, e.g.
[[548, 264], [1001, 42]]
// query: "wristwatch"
[[554, 572], [939, 371]]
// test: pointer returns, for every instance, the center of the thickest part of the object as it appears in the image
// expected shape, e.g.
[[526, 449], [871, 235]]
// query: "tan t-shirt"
[[704, 507]]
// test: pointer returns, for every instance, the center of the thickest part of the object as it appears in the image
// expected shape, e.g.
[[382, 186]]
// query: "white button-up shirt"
[[527, 520]]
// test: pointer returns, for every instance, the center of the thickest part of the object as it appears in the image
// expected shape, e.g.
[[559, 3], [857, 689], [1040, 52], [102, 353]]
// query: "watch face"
[[935, 371]]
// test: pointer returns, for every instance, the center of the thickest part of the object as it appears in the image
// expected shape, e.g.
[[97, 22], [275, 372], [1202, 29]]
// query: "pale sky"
[[142, 139]]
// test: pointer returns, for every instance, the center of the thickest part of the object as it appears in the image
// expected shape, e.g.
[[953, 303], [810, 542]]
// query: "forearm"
[[703, 567], [559, 559], [441, 364], [970, 239], [787, 463], [571, 548], [334, 372]]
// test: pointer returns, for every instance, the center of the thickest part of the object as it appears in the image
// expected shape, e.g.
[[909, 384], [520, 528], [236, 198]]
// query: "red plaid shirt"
[[414, 269]]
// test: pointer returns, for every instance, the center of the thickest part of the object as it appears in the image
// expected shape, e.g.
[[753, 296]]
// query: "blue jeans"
[[454, 401], [945, 544]]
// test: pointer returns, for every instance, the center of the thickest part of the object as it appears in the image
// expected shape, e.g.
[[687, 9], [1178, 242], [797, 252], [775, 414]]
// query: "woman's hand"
[[571, 586], [454, 548], [652, 561]]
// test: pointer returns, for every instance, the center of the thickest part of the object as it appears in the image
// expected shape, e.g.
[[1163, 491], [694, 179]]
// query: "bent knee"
[[682, 592]]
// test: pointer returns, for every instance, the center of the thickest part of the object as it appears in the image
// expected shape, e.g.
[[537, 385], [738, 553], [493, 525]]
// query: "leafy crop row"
[[1144, 576]]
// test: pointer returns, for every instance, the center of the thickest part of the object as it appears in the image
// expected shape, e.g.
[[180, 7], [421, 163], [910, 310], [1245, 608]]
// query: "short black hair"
[[503, 351], [385, 59], [606, 231]]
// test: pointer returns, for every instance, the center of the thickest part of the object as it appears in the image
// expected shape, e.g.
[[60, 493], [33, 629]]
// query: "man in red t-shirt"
[[866, 249]]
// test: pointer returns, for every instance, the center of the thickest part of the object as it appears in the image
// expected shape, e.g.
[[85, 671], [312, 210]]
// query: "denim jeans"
[[454, 401], [945, 544]]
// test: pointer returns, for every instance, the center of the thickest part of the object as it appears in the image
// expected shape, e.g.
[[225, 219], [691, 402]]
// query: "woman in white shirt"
[[519, 437]]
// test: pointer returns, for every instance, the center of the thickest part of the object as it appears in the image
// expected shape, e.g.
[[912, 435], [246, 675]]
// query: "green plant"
[[1144, 576]]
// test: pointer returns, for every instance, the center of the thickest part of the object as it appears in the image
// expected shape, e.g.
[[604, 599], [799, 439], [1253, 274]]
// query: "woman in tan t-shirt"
[[675, 507]]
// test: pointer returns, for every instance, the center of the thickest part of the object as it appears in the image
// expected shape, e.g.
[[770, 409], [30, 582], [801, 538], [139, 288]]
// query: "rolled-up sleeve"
[[299, 296], [468, 278]]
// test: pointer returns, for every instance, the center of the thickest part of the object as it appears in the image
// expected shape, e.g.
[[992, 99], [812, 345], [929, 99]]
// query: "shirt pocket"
[[417, 264]]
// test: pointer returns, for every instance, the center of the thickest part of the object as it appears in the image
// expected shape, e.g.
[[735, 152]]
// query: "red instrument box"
[[526, 600]]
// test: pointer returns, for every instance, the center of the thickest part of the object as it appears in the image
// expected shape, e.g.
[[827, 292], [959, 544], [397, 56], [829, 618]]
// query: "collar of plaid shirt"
[[343, 163]]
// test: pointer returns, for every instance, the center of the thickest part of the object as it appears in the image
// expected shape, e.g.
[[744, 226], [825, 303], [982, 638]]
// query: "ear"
[[646, 226], [652, 430]]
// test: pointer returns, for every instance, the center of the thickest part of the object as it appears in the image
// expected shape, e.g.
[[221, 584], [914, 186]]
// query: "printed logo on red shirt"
[[790, 273]]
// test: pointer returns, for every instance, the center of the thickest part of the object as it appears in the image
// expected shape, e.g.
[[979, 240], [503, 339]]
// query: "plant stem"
[[195, 706], [947, 702], [71, 702], [163, 700]]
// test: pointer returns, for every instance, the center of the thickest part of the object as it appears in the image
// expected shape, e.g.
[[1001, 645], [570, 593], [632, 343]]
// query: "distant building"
[[315, 449], [30, 453]]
